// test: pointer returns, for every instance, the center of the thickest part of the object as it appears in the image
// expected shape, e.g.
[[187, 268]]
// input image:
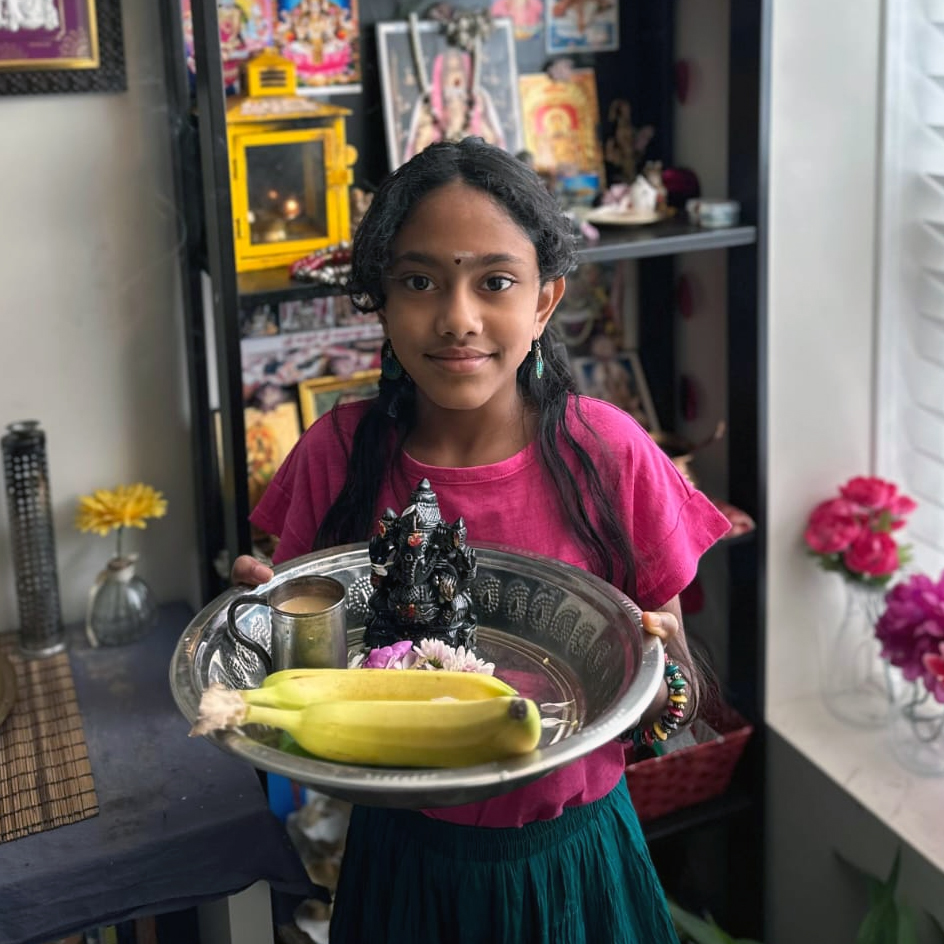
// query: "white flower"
[[465, 661], [435, 654]]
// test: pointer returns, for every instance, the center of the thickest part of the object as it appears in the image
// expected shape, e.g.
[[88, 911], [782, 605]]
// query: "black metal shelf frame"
[[661, 239]]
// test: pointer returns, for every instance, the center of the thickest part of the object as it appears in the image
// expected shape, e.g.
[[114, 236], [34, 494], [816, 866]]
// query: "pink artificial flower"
[[832, 527], [912, 626], [898, 508], [872, 554], [387, 657], [873, 493], [934, 672]]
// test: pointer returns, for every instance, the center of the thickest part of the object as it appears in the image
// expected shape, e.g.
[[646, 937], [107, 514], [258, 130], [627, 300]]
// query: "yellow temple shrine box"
[[290, 168]]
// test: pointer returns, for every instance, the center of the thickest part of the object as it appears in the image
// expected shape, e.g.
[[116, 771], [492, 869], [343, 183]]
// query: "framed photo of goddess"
[[427, 85], [53, 46]]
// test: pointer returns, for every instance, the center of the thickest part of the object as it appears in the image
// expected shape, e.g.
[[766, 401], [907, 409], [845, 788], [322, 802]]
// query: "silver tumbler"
[[33, 539]]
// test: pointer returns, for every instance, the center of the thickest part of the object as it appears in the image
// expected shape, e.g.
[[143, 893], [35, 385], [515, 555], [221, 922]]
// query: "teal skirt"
[[583, 878]]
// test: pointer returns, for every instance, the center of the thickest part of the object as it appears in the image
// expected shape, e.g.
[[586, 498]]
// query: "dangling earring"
[[538, 359], [390, 367]]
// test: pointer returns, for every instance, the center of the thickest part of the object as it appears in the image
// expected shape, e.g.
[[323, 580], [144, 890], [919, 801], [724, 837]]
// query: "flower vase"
[[917, 732], [121, 606], [857, 684]]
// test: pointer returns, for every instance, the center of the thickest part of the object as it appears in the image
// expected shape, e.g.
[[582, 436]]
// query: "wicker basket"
[[692, 774]]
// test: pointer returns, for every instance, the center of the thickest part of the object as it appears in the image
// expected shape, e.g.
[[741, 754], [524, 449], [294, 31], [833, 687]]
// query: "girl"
[[462, 254]]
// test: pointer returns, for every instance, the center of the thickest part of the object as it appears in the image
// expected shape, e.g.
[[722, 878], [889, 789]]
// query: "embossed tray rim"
[[427, 787]]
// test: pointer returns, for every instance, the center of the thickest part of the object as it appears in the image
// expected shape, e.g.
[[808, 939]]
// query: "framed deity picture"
[[466, 93], [582, 25], [561, 121], [322, 38], [55, 46], [317, 396], [246, 27], [270, 436], [619, 380]]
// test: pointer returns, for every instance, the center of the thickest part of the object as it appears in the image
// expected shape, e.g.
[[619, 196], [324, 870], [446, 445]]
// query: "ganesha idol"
[[421, 571]]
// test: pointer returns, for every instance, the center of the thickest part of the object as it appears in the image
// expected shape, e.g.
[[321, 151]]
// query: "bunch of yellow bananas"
[[384, 717]]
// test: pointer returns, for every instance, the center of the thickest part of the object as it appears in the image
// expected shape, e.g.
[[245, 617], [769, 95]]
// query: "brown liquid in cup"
[[308, 603]]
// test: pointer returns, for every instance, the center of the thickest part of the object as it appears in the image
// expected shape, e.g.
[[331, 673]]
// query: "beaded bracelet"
[[674, 713]]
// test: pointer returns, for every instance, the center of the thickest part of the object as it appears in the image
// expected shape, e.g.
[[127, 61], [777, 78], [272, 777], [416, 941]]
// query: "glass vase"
[[121, 606], [917, 732], [857, 684]]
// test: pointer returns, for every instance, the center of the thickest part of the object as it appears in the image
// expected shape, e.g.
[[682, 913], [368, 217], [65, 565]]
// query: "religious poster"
[[322, 38], [561, 123], [526, 15], [245, 28], [582, 25], [433, 90]]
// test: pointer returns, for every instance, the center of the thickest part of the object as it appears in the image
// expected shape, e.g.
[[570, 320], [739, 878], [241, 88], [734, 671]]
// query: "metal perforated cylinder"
[[33, 539]]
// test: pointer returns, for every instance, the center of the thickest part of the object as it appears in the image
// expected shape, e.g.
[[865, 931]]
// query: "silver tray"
[[558, 634]]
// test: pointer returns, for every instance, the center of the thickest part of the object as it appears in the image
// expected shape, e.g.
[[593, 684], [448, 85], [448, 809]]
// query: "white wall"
[[90, 305], [824, 133], [823, 166]]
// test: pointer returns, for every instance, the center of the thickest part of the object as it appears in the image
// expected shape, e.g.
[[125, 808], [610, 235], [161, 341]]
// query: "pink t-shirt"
[[510, 502]]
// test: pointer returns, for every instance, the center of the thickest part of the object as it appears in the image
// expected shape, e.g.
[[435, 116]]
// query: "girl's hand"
[[663, 624], [247, 570]]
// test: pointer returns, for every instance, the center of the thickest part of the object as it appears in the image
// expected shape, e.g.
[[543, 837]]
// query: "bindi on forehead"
[[459, 255]]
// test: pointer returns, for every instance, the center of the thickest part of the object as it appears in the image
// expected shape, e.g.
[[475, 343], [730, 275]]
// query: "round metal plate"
[[7, 687], [558, 634]]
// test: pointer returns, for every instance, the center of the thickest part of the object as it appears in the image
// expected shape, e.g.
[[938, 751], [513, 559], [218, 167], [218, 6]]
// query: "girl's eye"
[[418, 283], [498, 283]]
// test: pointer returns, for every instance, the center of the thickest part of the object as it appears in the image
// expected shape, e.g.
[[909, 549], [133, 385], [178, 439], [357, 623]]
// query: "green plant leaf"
[[880, 925], [881, 922], [907, 926], [694, 928]]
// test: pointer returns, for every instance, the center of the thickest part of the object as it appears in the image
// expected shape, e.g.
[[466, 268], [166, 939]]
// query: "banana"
[[390, 733], [295, 688], [410, 733]]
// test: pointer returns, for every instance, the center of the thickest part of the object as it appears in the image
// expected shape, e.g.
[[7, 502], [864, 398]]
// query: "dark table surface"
[[180, 822]]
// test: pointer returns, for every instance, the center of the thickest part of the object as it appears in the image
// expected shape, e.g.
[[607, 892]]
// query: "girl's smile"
[[460, 360]]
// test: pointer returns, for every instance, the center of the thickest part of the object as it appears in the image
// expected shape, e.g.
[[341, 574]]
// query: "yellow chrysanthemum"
[[127, 506]]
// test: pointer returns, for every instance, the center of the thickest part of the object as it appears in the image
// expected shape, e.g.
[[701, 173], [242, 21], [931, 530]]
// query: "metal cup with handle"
[[308, 620]]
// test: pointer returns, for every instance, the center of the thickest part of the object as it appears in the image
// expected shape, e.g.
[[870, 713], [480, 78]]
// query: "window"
[[909, 407]]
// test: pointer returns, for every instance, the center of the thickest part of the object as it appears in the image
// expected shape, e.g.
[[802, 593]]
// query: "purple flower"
[[912, 626], [934, 664], [387, 657]]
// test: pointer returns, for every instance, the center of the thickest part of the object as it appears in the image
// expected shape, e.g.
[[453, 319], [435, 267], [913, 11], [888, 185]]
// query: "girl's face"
[[464, 301]]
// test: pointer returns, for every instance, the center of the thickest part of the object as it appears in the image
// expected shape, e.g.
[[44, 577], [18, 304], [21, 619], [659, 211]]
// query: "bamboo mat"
[[45, 775]]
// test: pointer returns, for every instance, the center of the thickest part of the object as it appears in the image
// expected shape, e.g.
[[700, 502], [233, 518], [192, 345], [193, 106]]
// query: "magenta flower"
[[833, 526], [912, 627], [873, 554], [934, 672], [853, 534], [870, 492]]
